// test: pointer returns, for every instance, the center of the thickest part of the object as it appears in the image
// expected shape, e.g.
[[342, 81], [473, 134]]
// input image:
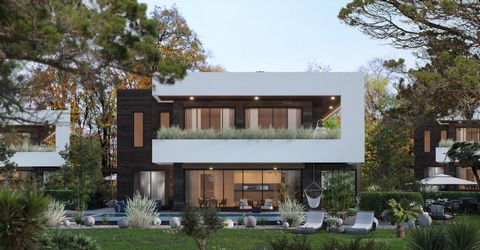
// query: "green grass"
[[225, 239]]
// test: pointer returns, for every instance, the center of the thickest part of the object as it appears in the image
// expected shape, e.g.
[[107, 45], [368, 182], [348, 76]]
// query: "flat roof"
[[261, 84]]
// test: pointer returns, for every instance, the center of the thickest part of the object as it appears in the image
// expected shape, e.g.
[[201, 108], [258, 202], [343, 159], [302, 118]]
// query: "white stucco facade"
[[349, 148], [61, 120]]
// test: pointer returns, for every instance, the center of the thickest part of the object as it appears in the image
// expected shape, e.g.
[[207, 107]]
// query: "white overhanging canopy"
[[443, 179]]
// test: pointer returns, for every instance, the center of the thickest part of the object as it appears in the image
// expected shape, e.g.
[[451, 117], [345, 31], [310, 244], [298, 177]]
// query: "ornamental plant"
[[291, 211], [401, 212]]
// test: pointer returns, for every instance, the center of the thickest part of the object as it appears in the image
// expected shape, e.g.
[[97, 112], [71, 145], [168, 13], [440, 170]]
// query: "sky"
[[281, 35]]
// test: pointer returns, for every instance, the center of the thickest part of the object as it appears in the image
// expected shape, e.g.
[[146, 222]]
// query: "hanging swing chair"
[[313, 202]]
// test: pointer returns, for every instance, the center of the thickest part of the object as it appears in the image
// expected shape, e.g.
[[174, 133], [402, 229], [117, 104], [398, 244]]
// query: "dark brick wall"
[[424, 160], [131, 159]]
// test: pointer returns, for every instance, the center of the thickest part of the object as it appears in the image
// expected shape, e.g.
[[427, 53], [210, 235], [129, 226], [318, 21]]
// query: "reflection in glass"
[[225, 188]]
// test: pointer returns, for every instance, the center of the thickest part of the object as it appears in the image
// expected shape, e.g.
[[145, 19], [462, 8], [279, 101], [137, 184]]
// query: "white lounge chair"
[[363, 223], [244, 205], [314, 219], [267, 205]]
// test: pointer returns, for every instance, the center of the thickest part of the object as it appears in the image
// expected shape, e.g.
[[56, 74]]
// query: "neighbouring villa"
[[37, 137], [239, 140], [432, 142]]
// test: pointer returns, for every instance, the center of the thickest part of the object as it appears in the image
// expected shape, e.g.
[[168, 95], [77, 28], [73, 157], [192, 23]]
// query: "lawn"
[[225, 239]]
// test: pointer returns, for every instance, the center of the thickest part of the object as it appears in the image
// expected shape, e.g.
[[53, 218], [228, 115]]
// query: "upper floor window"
[[164, 119], [280, 118], [138, 129], [468, 134], [29, 138], [209, 118], [426, 141]]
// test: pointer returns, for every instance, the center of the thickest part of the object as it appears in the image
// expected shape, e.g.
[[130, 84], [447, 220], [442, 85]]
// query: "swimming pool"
[[267, 218]]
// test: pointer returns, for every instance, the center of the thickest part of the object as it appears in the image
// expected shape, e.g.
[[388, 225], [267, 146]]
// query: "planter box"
[[258, 151]]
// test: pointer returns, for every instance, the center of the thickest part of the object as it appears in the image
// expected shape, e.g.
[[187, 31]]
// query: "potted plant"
[[401, 212]]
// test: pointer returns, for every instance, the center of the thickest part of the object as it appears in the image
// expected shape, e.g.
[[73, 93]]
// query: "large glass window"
[[138, 129], [225, 188], [164, 119], [150, 184], [209, 118], [279, 118], [468, 134], [28, 138]]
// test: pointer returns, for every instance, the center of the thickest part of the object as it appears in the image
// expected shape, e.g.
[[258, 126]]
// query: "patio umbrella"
[[443, 179]]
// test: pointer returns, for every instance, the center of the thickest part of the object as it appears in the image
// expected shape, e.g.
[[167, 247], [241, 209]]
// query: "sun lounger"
[[363, 223]]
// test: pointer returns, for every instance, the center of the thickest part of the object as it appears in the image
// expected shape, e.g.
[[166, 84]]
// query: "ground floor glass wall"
[[150, 184], [225, 188]]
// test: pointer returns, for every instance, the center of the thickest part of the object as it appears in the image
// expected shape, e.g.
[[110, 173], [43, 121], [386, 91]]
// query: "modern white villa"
[[236, 140], [37, 137]]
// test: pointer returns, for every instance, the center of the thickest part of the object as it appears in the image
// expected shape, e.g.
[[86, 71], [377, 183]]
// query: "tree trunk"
[[475, 173], [201, 243], [400, 231]]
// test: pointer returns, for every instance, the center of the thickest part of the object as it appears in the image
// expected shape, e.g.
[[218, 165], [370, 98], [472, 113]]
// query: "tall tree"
[[82, 38], [388, 148], [82, 167], [445, 34], [93, 104]]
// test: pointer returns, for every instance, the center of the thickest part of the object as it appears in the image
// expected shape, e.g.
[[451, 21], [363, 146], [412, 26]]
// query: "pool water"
[[165, 217]]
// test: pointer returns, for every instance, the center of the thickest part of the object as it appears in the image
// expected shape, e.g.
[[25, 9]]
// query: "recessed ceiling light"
[[210, 168], [192, 98], [331, 107], [256, 98], [332, 98], [274, 168]]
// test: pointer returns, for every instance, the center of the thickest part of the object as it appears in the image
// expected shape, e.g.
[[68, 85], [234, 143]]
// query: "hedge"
[[451, 195], [377, 201], [66, 196]]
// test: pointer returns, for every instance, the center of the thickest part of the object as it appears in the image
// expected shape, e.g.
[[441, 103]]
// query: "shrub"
[[297, 242], [339, 192], [426, 238], [462, 235], [260, 134], [55, 213], [451, 195], [377, 201], [200, 224], [291, 211], [140, 211], [64, 240], [61, 195], [354, 244], [21, 218], [446, 143]]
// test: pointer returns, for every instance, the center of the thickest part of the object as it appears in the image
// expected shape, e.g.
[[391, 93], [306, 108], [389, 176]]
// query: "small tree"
[[400, 213], [83, 161], [466, 155], [339, 194], [6, 166], [200, 224]]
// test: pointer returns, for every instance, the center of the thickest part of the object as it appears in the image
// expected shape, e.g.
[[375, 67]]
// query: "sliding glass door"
[[225, 188], [150, 184]]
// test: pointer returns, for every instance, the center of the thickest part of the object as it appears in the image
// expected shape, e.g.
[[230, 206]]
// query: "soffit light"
[[332, 98], [210, 168], [331, 107], [275, 168], [192, 98], [256, 98]]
